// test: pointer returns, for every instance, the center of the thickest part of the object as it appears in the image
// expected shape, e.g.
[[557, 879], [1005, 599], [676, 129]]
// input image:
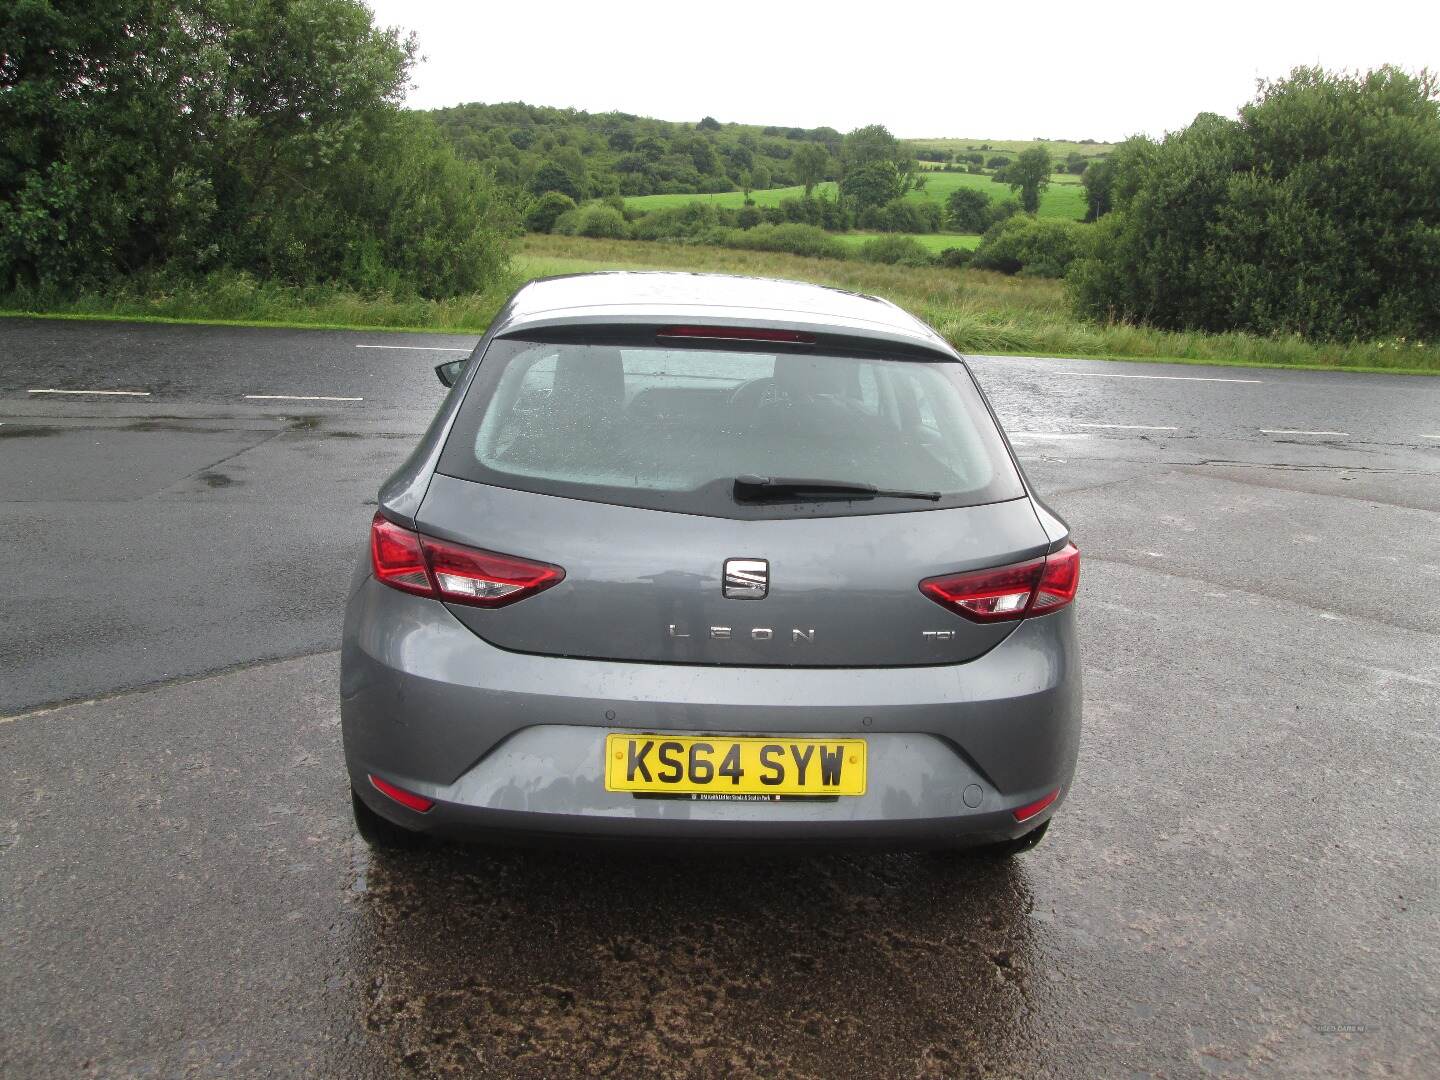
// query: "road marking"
[[112, 393], [1127, 427], [1173, 378], [1291, 431], [1430, 436], [1048, 435], [297, 397], [416, 348]]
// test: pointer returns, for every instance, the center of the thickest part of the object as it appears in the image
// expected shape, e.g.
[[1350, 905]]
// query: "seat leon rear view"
[[691, 557]]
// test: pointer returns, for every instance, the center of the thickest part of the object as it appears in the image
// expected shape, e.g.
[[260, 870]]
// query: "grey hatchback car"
[[688, 557]]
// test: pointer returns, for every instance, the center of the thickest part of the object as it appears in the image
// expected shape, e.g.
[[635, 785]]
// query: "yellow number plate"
[[686, 765]]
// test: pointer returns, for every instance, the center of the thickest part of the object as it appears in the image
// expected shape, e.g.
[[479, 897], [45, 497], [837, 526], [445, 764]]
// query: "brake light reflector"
[[1003, 593], [443, 571], [1029, 810], [737, 333], [409, 799]]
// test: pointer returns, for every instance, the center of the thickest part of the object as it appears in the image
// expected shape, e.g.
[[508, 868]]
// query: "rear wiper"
[[760, 487]]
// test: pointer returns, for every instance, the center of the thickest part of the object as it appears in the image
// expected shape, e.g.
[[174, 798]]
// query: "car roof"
[[644, 296]]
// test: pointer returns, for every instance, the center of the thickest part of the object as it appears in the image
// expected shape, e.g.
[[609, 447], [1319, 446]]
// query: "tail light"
[[1002, 593], [425, 566]]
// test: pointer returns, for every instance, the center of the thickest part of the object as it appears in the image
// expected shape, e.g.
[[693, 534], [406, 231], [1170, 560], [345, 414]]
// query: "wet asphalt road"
[[1243, 881]]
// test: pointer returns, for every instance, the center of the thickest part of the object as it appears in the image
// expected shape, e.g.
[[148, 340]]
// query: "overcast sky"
[[1100, 69]]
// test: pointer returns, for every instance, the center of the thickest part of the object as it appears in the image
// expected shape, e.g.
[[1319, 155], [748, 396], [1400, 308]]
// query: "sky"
[[1100, 69]]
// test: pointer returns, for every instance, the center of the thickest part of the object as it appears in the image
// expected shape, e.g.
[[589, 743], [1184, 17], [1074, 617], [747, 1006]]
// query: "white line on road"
[[1291, 431], [416, 348], [1172, 378], [112, 393], [1048, 435], [1127, 427], [297, 397], [1430, 436]]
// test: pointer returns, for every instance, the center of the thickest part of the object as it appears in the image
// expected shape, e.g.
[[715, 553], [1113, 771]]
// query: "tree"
[[1274, 223], [1098, 179], [552, 177], [202, 135], [1028, 174], [709, 123], [969, 210], [999, 161], [810, 163], [867, 145], [760, 176], [871, 185], [702, 154]]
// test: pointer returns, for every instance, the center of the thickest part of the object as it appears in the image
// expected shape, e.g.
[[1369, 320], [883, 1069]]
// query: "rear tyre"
[[381, 833]]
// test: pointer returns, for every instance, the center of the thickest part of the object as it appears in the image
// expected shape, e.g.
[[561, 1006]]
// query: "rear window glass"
[[671, 428]]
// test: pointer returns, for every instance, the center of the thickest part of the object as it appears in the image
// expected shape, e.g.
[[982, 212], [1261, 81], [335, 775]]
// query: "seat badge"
[[746, 579]]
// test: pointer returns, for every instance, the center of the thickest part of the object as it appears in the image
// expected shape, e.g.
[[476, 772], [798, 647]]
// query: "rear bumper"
[[512, 743]]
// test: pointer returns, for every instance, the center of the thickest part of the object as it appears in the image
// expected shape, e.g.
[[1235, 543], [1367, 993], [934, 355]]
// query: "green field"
[[1011, 147], [1065, 198], [931, 242]]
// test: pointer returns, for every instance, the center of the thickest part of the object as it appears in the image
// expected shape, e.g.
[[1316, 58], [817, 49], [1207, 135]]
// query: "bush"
[[794, 239], [902, 215], [956, 258], [999, 161], [1005, 209], [750, 216], [546, 210], [676, 222], [818, 210], [1029, 246], [595, 220], [896, 251], [1313, 214]]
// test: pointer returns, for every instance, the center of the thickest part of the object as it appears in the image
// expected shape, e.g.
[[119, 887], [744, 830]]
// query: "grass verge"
[[978, 312], [239, 300], [982, 312]]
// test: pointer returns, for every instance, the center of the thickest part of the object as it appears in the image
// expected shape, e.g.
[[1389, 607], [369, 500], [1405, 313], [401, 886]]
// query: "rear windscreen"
[[671, 428]]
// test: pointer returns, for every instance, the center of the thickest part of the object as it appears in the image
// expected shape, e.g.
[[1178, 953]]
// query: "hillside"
[[593, 155]]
